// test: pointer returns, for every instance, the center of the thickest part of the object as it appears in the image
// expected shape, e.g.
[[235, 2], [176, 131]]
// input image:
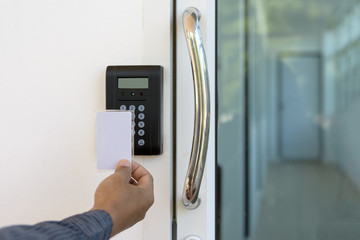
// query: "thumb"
[[123, 168]]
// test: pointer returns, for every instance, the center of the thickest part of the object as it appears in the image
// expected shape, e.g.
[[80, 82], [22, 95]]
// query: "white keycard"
[[113, 138]]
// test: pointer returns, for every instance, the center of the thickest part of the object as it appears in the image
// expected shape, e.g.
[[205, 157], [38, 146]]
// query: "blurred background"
[[288, 119]]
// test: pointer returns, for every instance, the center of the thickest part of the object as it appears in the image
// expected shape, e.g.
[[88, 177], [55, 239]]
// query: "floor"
[[308, 201]]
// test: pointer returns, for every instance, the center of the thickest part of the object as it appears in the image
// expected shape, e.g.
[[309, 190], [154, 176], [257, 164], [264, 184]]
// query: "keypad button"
[[123, 107], [141, 132], [141, 124], [141, 142], [141, 116], [132, 107], [141, 108]]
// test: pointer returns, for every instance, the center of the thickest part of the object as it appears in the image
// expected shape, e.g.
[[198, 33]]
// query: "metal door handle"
[[191, 17]]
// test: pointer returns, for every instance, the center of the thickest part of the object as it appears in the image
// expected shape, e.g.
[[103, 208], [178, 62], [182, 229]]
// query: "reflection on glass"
[[303, 78], [231, 102], [311, 175]]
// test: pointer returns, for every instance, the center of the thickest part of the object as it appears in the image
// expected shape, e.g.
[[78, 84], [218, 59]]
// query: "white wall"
[[345, 139], [341, 94], [53, 56], [341, 127]]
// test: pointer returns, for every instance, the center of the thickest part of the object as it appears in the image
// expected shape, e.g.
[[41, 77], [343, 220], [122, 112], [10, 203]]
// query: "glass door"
[[288, 97], [231, 119]]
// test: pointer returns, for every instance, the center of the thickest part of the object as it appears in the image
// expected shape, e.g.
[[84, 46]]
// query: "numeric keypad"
[[138, 114]]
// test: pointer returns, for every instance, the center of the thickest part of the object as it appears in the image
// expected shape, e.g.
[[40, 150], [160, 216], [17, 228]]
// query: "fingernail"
[[124, 163]]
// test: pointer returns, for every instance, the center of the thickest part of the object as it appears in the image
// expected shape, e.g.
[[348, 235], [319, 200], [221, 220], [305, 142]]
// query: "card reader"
[[139, 88]]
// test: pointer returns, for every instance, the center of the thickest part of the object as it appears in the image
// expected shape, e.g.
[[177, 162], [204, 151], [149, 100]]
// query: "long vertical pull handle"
[[191, 17]]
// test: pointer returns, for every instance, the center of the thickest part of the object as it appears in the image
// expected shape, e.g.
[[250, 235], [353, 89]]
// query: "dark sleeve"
[[92, 225]]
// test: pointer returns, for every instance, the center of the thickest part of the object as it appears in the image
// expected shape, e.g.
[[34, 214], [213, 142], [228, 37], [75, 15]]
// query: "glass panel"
[[231, 102], [288, 113]]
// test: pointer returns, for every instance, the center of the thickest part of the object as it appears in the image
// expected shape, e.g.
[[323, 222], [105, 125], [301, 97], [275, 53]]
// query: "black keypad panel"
[[140, 120], [139, 89]]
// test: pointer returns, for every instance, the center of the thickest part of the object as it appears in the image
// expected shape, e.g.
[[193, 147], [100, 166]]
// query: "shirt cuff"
[[95, 224]]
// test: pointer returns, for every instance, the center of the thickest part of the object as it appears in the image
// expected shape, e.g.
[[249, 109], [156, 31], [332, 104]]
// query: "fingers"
[[123, 169], [138, 171], [141, 175]]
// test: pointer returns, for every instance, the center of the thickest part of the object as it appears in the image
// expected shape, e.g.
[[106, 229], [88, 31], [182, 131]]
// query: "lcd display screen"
[[133, 83]]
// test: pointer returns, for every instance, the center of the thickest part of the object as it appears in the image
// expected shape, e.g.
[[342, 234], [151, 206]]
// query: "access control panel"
[[140, 89]]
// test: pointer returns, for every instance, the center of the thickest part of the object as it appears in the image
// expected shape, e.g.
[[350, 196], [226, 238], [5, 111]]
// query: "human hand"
[[126, 203]]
